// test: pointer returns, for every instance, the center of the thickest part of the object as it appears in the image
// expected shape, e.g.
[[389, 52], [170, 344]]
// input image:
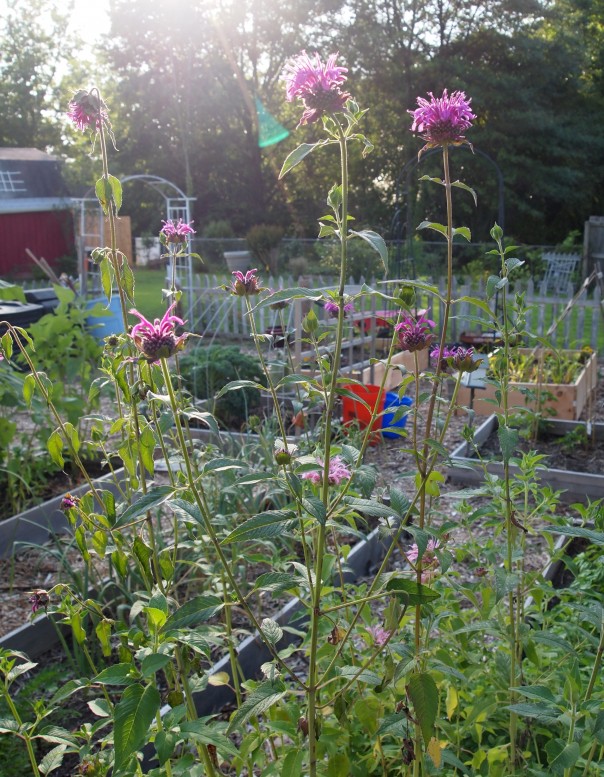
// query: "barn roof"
[[29, 174]]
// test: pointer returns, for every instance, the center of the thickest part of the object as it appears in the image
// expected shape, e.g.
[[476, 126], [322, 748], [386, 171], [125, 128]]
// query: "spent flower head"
[[245, 284], [176, 233], [338, 471], [158, 340], [87, 110], [317, 84], [68, 502], [442, 121], [457, 358], [38, 599], [414, 334]]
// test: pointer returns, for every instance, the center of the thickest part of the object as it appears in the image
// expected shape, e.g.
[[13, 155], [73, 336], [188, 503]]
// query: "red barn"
[[35, 210]]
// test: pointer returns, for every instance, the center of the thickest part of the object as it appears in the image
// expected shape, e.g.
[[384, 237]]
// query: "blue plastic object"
[[394, 401]]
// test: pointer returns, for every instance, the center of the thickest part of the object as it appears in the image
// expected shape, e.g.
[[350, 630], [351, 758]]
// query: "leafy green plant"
[[263, 241], [207, 369]]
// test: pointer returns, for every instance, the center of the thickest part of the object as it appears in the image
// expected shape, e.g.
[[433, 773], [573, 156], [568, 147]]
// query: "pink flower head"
[[333, 309], [317, 84], [442, 120], [338, 471], [457, 358], [86, 109], [379, 634], [39, 598], [157, 340], [245, 284], [414, 334], [429, 559], [176, 233]]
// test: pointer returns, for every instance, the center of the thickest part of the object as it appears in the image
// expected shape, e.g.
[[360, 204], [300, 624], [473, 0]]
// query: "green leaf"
[[435, 226], [464, 232], [411, 591], [197, 610], [597, 537], [208, 734], [55, 448], [103, 192], [297, 155], [376, 242], [165, 742], [423, 693], [271, 630], [116, 192], [271, 523], [508, 440], [512, 263], [465, 187], [52, 760], [118, 674], [492, 282], [274, 581], [566, 759], [133, 716], [334, 198], [153, 498], [263, 697], [542, 711], [292, 764], [154, 663], [106, 271], [365, 676], [187, 510], [504, 583], [315, 507], [67, 690], [535, 692]]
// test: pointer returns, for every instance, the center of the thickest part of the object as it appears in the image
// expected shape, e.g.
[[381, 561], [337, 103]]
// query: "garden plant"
[[416, 671]]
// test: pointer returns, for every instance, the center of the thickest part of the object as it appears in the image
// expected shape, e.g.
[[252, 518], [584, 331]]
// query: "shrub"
[[263, 241], [208, 369]]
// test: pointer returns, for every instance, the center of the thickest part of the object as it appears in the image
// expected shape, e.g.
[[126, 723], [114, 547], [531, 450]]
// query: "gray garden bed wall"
[[575, 486]]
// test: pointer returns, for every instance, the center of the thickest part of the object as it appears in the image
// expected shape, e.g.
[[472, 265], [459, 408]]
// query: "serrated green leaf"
[[315, 507], [153, 663], [297, 155], [423, 693], [263, 697], [55, 448], [103, 192], [106, 271], [116, 191], [133, 716], [271, 523], [117, 674], [271, 630], [52, 760], [274, 581], [376, 241], [197, 610], [209, 734], [540, 711], [491, 288], [152, 499], [508, 441], [566, 759], [19, 669], [411, 591], [577, 531], [365, 676]]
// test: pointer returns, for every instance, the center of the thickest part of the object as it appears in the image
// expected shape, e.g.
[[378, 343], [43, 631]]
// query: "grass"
[[147, 291]]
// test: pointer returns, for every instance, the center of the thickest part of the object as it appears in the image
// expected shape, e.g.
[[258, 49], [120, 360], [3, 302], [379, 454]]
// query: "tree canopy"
[[181, 80]]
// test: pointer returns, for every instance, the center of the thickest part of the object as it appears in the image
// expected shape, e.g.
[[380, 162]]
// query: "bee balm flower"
[[338, 471], [317, 84], [86, 109], [158, 340], [176, 233], [442, 120], [415, 335], [245, 284]]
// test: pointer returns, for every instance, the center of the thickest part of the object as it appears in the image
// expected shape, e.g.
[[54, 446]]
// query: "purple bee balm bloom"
[[338, 471], [158, 340], [333, 309], [442, 120], [414, 334], [379, 634], [39, 598], [86, 109], [176, 233], [317, 84], [244, 284], [429, 559]]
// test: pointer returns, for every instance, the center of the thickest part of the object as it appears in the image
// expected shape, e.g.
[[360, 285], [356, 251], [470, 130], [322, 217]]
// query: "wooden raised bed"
[[567, 400], [575, 486]]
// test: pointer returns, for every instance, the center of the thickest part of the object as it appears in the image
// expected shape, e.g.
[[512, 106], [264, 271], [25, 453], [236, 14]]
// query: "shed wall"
[[47, 234]]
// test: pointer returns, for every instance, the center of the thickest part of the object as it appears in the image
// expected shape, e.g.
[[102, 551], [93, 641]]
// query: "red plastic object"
[[353, 410]]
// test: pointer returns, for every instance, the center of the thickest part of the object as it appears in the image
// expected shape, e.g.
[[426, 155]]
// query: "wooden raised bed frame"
[[569, 399]]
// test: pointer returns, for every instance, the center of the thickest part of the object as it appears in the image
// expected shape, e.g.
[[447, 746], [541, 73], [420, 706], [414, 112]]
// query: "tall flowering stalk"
[[318, 85]]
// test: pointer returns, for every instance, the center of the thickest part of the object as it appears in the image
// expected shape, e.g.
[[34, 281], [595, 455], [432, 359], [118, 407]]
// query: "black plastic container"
[[45, 297], [20, 313]]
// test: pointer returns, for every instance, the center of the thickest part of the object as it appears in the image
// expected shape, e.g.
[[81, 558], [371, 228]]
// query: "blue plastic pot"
[[394, 401]]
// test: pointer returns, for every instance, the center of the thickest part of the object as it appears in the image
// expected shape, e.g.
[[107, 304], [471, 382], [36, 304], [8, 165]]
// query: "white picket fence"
[[219, 313]]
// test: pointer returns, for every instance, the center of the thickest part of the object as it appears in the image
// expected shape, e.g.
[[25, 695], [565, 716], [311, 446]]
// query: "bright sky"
[[90, 19]]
